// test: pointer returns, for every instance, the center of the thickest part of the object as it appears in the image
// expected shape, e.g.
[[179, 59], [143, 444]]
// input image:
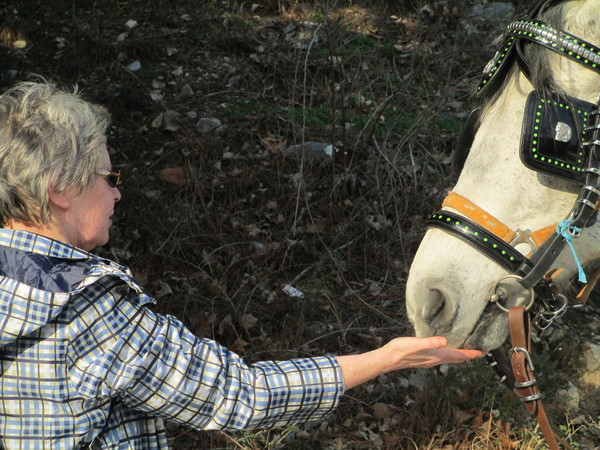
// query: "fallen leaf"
[[248, 320], [158, 120], [383, 411], [174, 175], [204, 326], [361, 415], [274, 143], [483, 423], [253, 230], [239, 345], [507, 442], [463, 416]]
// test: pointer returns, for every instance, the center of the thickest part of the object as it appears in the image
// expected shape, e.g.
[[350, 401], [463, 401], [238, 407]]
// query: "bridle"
[[498, 241], [488, 234]]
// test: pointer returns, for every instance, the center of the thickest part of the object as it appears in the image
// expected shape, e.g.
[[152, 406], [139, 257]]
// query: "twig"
[[231, 439]]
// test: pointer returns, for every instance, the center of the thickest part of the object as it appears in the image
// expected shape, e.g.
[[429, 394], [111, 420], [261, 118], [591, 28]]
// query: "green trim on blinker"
[[496, 62], [558, 161]]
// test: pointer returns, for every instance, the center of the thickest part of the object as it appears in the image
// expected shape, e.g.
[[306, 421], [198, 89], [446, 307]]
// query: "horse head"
[[518, 210]]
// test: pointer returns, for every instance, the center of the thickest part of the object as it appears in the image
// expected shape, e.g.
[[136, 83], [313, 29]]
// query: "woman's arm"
[[401, 353]]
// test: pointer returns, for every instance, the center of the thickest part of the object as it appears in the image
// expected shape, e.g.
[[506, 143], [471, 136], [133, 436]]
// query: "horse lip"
[[488, 316]]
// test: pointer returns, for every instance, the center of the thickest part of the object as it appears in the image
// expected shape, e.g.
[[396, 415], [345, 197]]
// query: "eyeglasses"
[[112, 178]]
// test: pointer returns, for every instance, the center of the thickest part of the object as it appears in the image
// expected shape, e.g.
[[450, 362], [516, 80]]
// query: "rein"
[[499, 242]]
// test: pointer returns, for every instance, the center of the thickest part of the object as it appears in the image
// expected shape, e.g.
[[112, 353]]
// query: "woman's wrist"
[[359, 368]]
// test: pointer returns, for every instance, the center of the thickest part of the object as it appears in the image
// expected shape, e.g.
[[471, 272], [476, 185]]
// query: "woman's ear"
[[58, 199]]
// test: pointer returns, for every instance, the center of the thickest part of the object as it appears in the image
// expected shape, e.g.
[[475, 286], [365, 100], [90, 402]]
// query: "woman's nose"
[[117, 194]]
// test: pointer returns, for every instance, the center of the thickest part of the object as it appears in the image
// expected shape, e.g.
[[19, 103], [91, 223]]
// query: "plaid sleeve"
[[156, 365]]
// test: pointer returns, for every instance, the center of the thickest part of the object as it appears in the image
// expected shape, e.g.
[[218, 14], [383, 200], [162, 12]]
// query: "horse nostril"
[[433, 305]]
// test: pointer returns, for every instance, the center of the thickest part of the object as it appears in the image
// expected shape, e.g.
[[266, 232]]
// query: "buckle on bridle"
[[516, 350], [523, 237]]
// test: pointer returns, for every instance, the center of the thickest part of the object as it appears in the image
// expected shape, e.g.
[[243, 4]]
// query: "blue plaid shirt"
[[82, 359]]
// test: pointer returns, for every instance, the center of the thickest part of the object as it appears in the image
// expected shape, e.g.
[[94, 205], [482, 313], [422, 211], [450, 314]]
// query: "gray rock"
[[171, 120], [186, 93], [207, 124], [494, 11], [134, 66], [591, 357], [591, 364], [310, 151], [569, 396]]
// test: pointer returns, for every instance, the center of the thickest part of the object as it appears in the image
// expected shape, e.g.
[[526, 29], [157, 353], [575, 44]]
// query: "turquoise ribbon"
[[563, 229]]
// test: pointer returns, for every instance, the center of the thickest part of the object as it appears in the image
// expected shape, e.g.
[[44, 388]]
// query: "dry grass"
[[234, 222]]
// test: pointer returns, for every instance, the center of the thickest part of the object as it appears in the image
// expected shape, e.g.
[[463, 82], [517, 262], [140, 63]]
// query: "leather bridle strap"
[[545, 243], [479, 216], [493, 225], [586, 290], [525, 385], [479, 237], [558, 41]]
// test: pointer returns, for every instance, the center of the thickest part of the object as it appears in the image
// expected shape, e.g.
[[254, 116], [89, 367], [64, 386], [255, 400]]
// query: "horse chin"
[[489, 334]]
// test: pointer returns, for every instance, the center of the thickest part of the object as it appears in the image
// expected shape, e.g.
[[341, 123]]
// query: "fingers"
[[434, 351], [417, 344], [454, 355], [471, 354], [439, 356], [437, 341]]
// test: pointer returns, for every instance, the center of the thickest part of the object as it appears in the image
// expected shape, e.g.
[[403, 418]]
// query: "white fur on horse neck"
[[450, 282]]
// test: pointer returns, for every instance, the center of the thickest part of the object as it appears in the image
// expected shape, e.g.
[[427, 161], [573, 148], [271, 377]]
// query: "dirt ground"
[[273, 255]]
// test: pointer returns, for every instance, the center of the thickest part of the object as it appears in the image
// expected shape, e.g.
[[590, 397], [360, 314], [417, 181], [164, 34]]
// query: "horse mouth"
[[489, 332], [491, 328]]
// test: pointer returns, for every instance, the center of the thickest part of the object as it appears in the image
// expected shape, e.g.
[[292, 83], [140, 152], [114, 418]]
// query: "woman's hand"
[[401, 353]]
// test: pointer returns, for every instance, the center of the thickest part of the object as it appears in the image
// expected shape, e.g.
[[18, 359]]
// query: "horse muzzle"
[[441, 307]]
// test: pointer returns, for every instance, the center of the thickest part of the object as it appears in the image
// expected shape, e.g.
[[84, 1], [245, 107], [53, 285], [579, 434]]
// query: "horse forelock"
[[577, 17], [542, 62]]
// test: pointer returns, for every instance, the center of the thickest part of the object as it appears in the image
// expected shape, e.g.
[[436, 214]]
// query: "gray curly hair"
[[48, 138]]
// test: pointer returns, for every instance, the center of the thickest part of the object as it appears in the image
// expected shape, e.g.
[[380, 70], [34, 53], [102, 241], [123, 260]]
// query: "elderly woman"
[[84, 361]]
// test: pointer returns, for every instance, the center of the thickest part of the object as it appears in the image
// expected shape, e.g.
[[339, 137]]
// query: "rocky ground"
[[279, 161]]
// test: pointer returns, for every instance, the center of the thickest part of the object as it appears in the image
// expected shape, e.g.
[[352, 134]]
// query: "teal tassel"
[[562, 229]]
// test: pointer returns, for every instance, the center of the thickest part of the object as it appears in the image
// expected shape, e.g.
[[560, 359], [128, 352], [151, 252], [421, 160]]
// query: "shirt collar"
[[35, 243]]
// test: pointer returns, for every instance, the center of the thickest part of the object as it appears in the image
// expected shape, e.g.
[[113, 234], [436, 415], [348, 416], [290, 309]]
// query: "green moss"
[[449, 122], [239, 108]]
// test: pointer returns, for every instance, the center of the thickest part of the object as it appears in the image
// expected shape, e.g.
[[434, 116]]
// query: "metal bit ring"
[[495, 298]]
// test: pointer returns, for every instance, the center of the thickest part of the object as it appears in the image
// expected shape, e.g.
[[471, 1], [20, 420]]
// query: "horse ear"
[[465, 141]]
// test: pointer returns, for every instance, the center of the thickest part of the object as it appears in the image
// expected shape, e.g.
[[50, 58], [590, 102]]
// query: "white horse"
[[451, 282]]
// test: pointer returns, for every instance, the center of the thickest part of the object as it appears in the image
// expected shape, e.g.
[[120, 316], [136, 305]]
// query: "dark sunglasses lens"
[[113, 179]]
